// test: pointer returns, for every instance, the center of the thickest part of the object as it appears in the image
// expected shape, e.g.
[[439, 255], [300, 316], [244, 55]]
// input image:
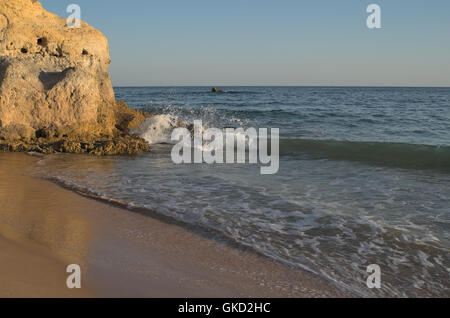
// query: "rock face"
[[55, 86]]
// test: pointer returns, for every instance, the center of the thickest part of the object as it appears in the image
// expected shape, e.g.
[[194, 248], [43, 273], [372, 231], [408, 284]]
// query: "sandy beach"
[[44, 228]]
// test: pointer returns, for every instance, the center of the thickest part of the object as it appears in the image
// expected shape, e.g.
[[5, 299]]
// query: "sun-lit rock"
[[54, 81]]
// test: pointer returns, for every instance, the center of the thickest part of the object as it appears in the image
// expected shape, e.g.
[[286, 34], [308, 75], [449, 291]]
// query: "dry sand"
[[44, 228]]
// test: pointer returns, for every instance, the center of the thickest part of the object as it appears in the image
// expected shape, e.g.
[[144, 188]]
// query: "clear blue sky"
[[271, 42]]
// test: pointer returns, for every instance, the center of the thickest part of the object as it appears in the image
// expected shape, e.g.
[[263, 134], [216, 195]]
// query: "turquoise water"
[[364, 179]]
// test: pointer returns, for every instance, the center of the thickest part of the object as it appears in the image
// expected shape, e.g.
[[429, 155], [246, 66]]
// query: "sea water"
[[364, 179]]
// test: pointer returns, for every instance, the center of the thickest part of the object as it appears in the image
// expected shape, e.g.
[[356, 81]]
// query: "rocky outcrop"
[[55, 90]]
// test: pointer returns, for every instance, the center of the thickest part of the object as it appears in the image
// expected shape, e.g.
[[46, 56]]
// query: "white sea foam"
[[158, 129]]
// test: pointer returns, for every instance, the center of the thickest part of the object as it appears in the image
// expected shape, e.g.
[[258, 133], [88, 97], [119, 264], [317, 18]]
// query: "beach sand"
[[44, 228]]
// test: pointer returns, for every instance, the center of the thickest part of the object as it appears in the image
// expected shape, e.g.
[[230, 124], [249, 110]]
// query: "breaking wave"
[[158, 130]]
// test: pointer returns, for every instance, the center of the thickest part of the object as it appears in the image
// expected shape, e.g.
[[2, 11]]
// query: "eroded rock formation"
[[55, 90]]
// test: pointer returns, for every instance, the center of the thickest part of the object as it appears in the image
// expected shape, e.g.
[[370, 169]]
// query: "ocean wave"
[[158, 130], [400, 155]]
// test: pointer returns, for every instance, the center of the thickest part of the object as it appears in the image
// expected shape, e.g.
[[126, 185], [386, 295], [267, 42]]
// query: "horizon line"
[[336, 86]]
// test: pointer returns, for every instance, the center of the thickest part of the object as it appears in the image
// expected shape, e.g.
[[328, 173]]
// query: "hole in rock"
[[24, 50], [42, 42]]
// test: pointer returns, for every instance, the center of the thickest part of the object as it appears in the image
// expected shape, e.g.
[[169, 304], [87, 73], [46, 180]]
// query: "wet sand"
[[44, 228]]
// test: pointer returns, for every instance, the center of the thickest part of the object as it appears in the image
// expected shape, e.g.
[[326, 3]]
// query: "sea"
[[364, 178]]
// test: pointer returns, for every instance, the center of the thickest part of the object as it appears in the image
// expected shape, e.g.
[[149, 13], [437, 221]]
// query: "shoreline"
[[125, 254]]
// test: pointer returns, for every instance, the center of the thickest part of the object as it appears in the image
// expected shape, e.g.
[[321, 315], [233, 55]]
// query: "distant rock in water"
[[215, 90], [55, 90]]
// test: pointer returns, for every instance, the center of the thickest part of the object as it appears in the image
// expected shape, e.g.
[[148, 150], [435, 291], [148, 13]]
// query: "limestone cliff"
[[55, 90]]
